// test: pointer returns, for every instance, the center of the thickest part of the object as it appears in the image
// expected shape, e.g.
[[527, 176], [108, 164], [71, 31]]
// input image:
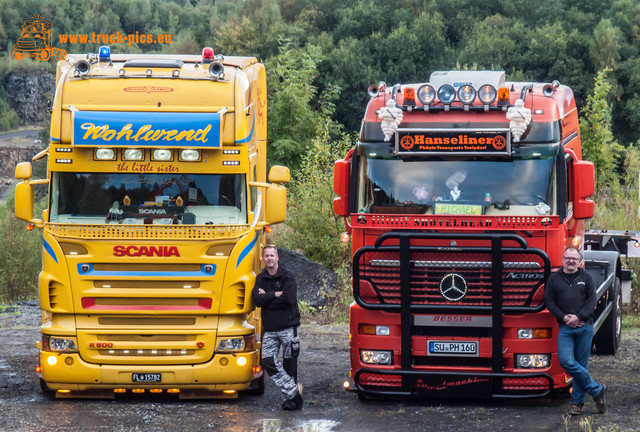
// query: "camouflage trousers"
[[285, 374]]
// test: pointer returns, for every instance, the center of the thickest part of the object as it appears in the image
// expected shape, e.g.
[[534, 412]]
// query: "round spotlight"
[[133, 154], [426, 94], [176, 73], [105, 154], [121, 72], [466, 94], [487, 94], [149, 72], [446, 94]]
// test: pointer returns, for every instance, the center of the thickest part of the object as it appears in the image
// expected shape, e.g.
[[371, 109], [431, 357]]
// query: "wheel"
[[608, 338], [17, 55], [527, 199]]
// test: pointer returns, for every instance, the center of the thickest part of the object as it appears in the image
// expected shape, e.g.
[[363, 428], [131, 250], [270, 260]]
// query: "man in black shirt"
[[570, 295], [275, 293]]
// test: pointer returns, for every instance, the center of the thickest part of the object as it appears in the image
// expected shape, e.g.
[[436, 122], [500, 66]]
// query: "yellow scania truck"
[[158, 205]]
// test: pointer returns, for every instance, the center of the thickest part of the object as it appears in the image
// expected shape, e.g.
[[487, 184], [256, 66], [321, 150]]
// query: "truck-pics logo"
[[36, 41], [149, 251]]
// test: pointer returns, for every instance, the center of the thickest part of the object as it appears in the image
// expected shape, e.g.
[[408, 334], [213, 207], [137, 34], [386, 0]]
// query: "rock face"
[[313, 279], [26, 94]]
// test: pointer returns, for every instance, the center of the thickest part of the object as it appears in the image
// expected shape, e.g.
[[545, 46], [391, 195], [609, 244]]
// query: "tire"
[[607, 340]]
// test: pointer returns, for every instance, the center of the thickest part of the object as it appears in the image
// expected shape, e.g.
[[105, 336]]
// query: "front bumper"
[[222, 373], [376, 382]]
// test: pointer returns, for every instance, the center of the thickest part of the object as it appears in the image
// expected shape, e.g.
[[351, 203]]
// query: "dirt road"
[[327, 408]]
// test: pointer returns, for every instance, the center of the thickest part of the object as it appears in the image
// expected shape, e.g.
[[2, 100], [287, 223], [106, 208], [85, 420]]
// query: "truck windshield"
[[521, 185], [202, 199]]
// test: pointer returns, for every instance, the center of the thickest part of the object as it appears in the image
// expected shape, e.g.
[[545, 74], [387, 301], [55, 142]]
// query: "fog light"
[[52, 360], [376, 357], [241, 361], [531, 361]]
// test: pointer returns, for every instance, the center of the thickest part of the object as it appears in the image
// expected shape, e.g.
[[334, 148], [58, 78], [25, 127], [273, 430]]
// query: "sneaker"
[[575, 408], [601, 400]]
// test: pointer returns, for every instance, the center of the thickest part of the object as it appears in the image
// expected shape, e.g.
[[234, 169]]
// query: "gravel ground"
[[327, 408]]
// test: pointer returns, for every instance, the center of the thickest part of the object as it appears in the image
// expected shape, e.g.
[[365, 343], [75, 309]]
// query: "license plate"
[[146, 377], [453, 348]]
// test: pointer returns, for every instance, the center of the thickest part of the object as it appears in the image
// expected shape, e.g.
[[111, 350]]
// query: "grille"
[[525, 386], [373, 381], [120, 232], [523, 275]]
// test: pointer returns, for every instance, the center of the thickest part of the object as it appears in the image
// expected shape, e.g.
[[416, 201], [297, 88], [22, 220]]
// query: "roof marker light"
[[104, 54], [207, 55], [409, 96], [503, 96]]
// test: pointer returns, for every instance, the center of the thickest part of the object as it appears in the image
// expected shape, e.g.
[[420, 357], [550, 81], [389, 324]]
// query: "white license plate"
[[146, 377], [453, 348]]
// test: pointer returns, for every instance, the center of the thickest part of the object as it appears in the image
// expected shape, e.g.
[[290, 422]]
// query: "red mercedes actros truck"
[[460, 197]]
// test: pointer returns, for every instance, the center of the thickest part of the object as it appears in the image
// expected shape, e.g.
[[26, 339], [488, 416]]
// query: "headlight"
[[376, 357], [105, 154], [446, 94], [133, 154], [189, 155], [244, 343], [52, 343], [487, 94], [530, 361], [542, 333], [162, 154], [426, 94]]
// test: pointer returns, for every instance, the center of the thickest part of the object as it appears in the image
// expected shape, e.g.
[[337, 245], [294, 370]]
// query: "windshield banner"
[[145, 129], [453, 141]]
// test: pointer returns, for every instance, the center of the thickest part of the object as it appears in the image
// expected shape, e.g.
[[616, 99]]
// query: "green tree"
[[605, 46], [598, 143], [295, 115]]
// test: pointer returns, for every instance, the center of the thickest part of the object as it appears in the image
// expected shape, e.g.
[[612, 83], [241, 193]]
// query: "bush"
[[20, 255]]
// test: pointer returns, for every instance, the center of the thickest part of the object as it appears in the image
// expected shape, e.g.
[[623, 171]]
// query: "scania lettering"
[[158, 204], [459, 199]]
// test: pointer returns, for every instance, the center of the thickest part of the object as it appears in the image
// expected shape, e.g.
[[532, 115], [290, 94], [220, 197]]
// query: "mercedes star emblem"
[[453, 287]]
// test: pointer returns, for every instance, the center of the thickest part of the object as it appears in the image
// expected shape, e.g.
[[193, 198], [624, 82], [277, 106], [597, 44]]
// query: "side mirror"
[[275, 203], [23, 171], [341, 171], [583, 187], [279, 174]]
